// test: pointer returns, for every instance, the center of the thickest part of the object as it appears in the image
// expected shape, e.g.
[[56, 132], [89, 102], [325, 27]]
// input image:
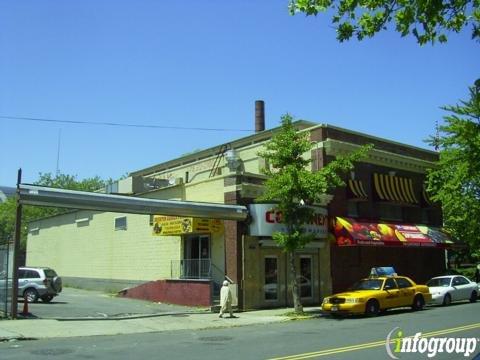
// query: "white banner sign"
[[266, 220]]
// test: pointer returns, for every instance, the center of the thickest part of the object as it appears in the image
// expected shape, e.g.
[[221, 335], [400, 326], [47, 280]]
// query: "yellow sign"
[[173, 225]]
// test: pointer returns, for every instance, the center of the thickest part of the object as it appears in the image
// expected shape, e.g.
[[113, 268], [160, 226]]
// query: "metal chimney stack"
[[259, 116]]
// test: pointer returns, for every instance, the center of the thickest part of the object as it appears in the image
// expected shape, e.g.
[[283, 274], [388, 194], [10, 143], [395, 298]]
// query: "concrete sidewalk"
[[24, 329]]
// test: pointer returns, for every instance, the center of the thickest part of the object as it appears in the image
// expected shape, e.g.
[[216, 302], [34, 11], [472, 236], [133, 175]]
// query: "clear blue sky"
[[201, 64]]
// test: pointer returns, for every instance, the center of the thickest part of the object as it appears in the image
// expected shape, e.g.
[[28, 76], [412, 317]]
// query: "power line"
[[117, 124]]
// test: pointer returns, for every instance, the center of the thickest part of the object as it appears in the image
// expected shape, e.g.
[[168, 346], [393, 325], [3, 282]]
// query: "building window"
[[425, 216], [271, 278], [352, 208], [390, 212], [121, 223]]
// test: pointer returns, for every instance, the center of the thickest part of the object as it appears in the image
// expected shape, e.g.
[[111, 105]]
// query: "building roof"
[[6, 192], [202, 154], [263, 136]]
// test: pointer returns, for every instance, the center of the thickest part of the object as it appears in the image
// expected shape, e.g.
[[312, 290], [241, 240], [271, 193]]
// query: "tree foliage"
[[426, 20], [293, 186], [456, 181], [30, 213]]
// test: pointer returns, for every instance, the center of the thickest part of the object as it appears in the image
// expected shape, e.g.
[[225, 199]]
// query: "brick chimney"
[[259, 116]]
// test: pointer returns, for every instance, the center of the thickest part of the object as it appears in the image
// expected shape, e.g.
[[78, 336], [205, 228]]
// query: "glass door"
[[305, 280], [196, 264]]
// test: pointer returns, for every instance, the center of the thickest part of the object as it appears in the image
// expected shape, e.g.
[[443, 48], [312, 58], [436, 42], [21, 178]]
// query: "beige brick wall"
[[96, 250]]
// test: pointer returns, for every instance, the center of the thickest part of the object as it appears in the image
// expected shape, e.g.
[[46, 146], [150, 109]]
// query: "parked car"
[[38, 282], [374, 294], [446, 289]]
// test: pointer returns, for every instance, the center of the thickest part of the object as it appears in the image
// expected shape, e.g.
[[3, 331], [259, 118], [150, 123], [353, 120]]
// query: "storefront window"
[[305, 280], [390, 212], [352, 208], [271, 279]]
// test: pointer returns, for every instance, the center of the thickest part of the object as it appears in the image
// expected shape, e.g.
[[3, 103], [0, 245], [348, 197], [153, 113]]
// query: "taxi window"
[[403, 283], [389, 284]]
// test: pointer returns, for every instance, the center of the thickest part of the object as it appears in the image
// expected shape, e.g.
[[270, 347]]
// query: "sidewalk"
[[30, 329]]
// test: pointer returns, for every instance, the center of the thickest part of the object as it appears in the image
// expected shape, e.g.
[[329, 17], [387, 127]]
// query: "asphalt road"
[[77, 303], [324, 337]]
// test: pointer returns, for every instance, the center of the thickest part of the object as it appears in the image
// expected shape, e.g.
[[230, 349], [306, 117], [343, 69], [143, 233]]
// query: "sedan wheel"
[[447, 300], [473, 297], [31, 295]]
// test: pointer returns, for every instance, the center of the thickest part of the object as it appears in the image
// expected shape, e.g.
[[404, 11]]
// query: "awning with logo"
[[349, 232], [394, 189]]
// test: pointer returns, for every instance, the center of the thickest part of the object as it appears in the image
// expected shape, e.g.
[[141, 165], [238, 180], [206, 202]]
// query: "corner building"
[[184, 260]]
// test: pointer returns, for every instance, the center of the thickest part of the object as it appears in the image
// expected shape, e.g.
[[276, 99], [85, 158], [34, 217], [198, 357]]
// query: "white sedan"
[[445, 289]]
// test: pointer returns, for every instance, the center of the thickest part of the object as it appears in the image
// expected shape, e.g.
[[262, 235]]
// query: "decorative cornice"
[[378, 157]]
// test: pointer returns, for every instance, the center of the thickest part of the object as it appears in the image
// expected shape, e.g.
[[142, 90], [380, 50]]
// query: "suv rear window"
[[49, 273]]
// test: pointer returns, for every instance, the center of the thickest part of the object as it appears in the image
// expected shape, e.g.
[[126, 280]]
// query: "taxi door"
[[391, 293], [407, 291]]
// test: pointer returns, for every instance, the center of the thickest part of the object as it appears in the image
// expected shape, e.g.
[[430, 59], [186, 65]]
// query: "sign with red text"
[[266, 220]]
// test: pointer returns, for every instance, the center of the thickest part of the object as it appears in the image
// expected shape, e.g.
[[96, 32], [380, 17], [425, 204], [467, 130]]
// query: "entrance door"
[[271, 288], [305, 280], [196, 264]]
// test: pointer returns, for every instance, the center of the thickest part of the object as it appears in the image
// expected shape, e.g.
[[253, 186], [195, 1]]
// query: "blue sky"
[[201, 64]]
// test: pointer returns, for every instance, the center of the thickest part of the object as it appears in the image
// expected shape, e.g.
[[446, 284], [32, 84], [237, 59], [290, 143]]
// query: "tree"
[[455, 183], [30, 213], [428, 21], [293, 186]]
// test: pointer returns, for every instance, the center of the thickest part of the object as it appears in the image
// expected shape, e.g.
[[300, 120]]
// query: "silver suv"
[[38, 282]]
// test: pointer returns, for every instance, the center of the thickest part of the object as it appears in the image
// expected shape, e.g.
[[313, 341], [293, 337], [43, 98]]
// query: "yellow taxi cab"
[[374, 294]]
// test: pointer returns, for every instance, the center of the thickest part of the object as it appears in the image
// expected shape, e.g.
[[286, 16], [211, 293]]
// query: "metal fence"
[[191, 269], [6, 271]]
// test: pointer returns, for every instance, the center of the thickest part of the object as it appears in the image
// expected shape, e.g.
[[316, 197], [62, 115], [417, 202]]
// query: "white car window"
[[459, 280]]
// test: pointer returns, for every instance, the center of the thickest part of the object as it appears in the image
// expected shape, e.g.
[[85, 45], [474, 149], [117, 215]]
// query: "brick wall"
[[180, 292]]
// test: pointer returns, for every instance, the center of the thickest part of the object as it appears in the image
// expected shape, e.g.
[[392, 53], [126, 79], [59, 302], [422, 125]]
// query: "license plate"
[[334, 308]]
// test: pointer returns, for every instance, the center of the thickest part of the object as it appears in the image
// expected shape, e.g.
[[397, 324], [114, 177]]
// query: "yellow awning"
[[394, 188], [356, 189]]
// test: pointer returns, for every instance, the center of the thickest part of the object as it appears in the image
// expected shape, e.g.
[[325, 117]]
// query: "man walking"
[[225, 300]]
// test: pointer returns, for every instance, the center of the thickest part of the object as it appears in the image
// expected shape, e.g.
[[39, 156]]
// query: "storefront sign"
[[173, 225], [266, 220], [351, 232]]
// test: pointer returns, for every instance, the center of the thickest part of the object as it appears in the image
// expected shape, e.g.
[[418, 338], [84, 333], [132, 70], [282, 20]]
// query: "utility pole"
[[16, 248]]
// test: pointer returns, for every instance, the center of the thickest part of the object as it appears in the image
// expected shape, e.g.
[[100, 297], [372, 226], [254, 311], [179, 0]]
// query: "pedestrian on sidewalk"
[[226, 300]]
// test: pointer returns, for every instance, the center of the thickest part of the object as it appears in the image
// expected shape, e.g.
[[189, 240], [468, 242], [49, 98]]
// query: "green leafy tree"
[[292, 186], [427, 21], [455, 183], [30, 213]]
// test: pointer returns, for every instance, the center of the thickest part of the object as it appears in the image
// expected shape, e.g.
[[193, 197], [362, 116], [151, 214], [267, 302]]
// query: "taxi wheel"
[[372, 308], [418, 303]]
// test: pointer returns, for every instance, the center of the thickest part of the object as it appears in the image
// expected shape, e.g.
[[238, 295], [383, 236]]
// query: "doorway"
[[196, 263]]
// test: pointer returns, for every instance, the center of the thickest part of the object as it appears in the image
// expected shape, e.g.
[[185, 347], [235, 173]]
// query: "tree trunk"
[[297, 305]]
